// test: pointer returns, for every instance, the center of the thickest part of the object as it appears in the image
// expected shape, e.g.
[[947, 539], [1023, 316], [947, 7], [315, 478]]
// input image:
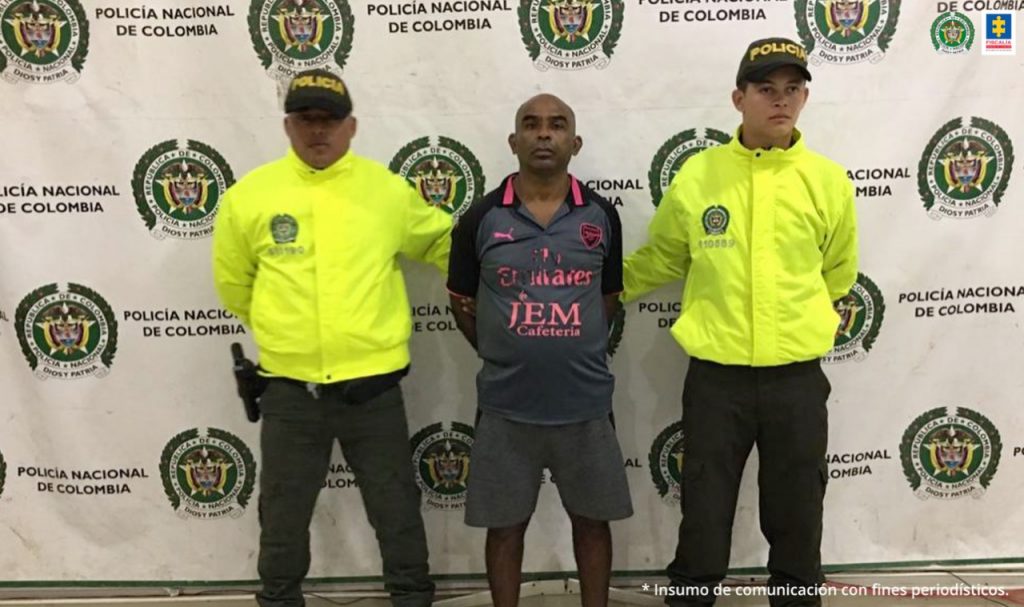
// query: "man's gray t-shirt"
[[542, 329]]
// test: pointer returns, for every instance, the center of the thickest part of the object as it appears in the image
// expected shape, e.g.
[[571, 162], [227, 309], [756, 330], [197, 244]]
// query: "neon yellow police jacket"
[[766, 240], [308, 260]]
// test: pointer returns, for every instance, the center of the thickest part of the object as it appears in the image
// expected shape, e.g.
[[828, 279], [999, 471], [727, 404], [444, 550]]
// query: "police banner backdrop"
[[125, 455]]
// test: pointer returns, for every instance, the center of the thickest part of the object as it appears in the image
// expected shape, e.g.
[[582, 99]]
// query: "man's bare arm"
[[611, 307]]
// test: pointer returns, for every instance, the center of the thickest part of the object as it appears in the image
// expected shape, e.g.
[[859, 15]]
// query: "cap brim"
[[761, 72], [316, 103]]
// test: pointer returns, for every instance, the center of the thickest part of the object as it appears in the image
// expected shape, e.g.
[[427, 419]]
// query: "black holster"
[[249, 382]]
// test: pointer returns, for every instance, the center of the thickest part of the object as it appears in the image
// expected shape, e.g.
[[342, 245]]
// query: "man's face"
[[770, 109], [545, 138], [318, 137]]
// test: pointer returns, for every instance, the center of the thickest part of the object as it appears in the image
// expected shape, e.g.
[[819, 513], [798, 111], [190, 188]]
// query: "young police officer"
[[304, 253], [763, 231]]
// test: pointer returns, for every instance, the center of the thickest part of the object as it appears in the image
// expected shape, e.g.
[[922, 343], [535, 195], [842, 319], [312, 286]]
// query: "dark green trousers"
[[297, 434], [726, 411]]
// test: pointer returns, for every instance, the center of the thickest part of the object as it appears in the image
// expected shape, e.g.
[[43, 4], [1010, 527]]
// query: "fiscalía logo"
[[177, 188], [952, 33], [66, 334], [715, 220], [570, 34], [292, 36], [950, 454], [676, 151], [441, 458], [446, 174], [860, 319], [207, 477], [1000, 34], [666, 463], [965, 170], [42, 40], [846, 31]]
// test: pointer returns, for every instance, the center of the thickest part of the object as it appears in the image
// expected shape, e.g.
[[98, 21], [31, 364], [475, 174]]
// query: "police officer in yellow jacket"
[[305, 254], [763, 231]]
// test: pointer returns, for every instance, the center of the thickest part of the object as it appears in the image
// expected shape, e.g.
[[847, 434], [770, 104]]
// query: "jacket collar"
[[775, 154], [307, 172]]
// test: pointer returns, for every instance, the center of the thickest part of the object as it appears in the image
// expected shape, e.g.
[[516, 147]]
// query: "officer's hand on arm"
[[465, 316], [467, 305], [666, 255]]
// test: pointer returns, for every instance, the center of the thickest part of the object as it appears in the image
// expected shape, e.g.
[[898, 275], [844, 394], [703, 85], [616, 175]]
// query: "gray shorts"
[[508, 462]]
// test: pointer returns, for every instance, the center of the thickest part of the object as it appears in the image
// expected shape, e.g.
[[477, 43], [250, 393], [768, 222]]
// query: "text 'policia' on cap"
[[318, 89], [767, 55]]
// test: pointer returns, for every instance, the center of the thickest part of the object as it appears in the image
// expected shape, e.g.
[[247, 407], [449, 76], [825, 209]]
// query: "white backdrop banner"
[[124, 453]]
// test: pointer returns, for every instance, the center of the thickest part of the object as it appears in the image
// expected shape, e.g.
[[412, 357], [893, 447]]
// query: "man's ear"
[[737, 99]]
